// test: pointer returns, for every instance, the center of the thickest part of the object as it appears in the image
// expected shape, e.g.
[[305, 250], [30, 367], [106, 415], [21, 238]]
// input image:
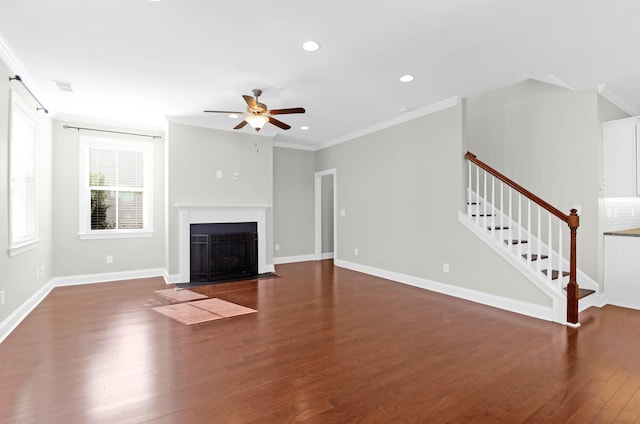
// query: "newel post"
[[572, 287]]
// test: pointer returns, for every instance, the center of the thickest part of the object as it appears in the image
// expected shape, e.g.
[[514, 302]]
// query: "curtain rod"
[[17, 78], [66, 127]]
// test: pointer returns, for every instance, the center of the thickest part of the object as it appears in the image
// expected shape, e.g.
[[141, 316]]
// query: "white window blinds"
[[22, 164]]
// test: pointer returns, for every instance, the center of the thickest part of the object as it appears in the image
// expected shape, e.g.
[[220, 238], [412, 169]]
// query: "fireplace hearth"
[[223, 251]]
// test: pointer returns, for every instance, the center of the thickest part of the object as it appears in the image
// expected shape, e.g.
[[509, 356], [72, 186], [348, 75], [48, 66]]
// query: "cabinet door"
[[620, 158]]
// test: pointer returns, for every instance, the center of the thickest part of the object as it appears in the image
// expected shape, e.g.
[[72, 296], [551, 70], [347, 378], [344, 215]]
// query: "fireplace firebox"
[[223, 251]]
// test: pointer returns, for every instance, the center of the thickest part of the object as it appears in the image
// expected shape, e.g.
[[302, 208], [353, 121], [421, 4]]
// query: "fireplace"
[[223, 251], [205, 214]]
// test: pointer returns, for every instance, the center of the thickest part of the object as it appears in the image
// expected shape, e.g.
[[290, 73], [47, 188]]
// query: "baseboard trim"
[[511, 305], [12, 321], [108, 277], [293, 259]]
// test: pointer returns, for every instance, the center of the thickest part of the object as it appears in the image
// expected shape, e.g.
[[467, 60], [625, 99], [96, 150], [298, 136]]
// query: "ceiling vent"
[[64, 86]]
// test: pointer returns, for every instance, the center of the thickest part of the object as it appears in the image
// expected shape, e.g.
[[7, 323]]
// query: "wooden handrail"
[[553, 210], [572, 220]]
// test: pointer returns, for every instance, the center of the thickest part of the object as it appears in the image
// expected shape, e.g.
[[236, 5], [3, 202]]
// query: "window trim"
[[19, 108], [84, 217]]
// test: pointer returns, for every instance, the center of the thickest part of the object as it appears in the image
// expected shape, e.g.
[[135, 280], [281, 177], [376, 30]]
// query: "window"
[[23, 217], [116, 182]]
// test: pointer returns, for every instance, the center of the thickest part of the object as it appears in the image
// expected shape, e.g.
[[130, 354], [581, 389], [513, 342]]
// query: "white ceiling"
[[135, 62]]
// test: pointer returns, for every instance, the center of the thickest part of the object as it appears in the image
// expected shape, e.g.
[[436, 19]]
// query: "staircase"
[[532, 235]]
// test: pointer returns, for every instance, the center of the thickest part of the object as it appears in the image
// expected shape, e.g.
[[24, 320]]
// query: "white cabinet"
[[621, 157], [621, 270]]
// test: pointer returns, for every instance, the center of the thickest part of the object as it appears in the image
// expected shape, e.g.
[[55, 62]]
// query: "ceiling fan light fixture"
[[256, 121]]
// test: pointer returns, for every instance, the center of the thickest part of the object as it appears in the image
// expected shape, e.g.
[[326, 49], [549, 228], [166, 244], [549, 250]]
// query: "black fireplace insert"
[[223, 251]]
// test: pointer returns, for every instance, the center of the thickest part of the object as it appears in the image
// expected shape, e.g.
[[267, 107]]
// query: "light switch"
[[219, 174], [236, 175]]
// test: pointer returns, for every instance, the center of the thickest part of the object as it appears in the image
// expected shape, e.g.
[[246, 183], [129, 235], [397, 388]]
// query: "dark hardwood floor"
[[327, 345]]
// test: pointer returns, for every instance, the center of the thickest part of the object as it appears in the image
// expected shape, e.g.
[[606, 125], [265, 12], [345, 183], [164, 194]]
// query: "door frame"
[[318, 212]]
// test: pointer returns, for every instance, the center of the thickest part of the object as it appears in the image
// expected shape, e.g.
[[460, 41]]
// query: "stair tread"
[[534, 257], [582, 293], [516, 241], [555, 273]]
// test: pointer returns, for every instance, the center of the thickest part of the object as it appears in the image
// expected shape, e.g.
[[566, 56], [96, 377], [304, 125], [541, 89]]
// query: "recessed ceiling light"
[[234, 116], [311, 46], [304, 127], [407, 78]]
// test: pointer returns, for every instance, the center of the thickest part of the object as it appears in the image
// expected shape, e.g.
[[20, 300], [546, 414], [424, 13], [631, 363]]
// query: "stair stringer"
[[558, 310]]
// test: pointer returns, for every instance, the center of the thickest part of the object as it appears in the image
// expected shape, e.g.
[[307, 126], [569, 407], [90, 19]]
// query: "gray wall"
[[73, 256], [194, 155], [549, 140], [293, 201], [18, 278], [401, 189]]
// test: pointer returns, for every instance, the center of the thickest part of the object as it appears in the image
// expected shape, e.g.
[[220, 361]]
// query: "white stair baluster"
[[493, 200], [519, 247], [549, 251], [560, 256], [477, 195], [510, 218], [539, 261], [469, 197], [485, 197], [501, 234], [529, 230]]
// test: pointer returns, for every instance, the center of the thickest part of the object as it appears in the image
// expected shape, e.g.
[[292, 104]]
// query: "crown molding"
[[605, 92], [293, 146], [10, 58], [435, 107]]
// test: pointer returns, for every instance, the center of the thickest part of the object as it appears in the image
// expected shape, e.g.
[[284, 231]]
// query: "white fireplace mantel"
[[204, 214]]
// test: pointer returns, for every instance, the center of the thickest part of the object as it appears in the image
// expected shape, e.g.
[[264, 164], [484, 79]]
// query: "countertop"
[[634, 232]]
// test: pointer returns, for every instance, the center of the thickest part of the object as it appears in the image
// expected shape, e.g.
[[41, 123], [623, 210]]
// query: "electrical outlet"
[[277, 247], [41, 271], [1, 297], [356, 251], [343, 212], [445, 268], [109, 259]]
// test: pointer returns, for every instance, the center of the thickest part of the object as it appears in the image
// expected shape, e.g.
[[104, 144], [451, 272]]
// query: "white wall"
[[401, 189], [194, 155], [293, 208], [75, 257], [18, 278], [549, 140]]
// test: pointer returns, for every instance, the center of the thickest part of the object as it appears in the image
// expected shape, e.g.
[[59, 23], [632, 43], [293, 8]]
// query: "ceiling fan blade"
[[285, 111], [223, 111], [251, 102], [277, 123], [240, 125]]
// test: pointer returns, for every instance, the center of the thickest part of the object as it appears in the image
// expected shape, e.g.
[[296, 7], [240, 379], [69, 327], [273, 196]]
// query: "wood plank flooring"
[[327, 345]]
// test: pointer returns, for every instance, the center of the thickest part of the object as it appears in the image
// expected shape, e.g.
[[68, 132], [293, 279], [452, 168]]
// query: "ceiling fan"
[[258, 114]]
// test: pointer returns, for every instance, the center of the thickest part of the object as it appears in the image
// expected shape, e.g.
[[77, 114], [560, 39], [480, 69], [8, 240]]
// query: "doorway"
[[325, 214]]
